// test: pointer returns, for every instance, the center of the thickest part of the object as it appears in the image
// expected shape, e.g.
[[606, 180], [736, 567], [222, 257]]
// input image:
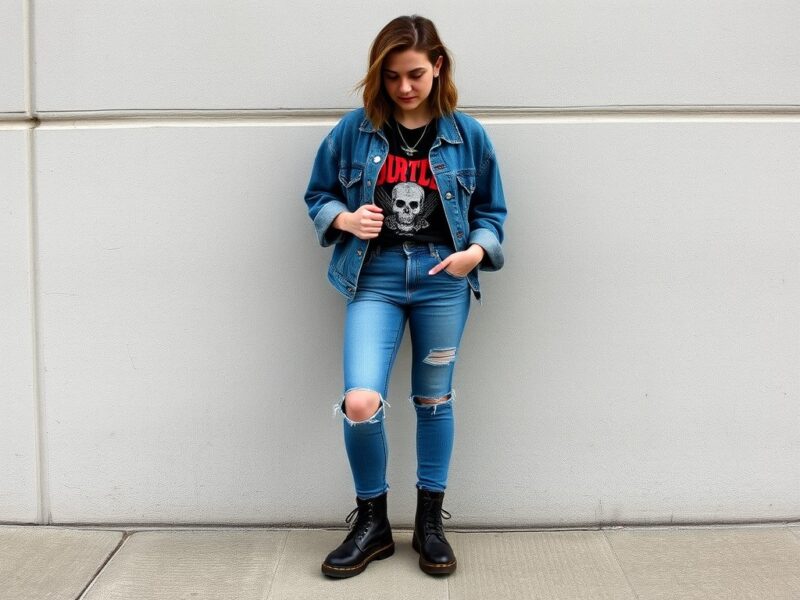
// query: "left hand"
[[461, 263]]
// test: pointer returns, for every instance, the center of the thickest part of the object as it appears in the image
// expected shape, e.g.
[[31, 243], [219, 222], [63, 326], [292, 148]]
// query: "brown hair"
[[401, 34]]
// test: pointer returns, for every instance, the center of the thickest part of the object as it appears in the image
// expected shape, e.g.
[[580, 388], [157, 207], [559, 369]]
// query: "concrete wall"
[[170, 347]]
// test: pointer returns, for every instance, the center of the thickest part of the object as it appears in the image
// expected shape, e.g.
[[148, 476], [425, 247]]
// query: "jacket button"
[[377, 159], [459, 235], [358, 252], [448, 195]]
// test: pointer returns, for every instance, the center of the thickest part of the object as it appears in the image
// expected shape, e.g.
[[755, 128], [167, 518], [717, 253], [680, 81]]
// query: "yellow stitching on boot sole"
[[354, 567], [438, 565]]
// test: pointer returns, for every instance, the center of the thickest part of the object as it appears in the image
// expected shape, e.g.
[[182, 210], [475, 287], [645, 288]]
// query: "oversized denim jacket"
[[463, 163]]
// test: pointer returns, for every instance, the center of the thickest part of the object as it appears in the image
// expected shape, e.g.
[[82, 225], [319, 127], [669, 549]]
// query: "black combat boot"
[[436, 557], [370, 538]]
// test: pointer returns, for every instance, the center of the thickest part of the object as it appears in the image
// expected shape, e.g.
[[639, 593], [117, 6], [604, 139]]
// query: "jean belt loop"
[[432, 249]]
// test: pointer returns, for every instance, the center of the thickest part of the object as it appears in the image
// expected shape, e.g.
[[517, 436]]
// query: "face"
[[408, 79]]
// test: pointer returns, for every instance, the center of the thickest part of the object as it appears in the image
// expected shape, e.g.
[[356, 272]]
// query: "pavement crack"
[[93, 578]]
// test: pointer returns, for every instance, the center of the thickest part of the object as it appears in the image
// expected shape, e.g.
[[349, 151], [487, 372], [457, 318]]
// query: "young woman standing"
[[408, 190]]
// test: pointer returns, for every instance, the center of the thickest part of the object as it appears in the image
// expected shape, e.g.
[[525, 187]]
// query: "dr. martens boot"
[[370, 538], [435, 554]]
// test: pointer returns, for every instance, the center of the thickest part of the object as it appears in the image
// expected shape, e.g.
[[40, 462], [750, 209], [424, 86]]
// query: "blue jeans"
[[394, 288]]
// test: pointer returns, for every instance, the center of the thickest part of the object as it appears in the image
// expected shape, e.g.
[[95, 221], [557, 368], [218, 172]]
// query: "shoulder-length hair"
[[401, 34]]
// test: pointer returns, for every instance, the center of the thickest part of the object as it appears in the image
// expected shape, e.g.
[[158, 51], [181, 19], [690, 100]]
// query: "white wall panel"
[[636, 361], [116, 55], [620, 52], [12, 62], [187, 326], [17, 402]]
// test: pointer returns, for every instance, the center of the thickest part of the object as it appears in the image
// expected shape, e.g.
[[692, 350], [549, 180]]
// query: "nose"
[[405, 85]]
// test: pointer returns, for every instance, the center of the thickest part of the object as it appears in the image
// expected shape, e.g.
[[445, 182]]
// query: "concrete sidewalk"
[[55, 563]]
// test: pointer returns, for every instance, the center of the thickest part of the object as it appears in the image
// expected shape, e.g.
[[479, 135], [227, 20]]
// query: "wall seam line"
[[42, 491], [235, 118], [40, 443], [27, 53]]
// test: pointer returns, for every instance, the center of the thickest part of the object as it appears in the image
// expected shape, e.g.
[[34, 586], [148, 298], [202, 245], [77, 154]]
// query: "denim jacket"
[[463, 163]]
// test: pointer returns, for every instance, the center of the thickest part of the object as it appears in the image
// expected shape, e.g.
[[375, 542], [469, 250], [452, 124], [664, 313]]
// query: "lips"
[[407, 99]]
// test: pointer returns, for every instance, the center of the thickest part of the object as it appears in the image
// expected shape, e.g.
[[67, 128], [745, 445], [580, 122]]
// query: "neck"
[[413, 120]]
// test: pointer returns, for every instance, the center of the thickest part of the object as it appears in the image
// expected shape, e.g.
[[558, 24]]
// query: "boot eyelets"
[[369, 538], [436, 556]]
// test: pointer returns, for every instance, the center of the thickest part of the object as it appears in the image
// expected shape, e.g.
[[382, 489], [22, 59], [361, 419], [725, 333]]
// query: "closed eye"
[[391, 75]]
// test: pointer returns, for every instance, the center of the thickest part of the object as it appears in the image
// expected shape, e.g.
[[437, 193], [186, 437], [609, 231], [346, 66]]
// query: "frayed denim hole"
[[381, 410], [439, 357], [449, 398]]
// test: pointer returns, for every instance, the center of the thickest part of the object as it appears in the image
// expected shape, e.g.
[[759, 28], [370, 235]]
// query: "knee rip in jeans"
[[379, 413], [432, 403], [440, 356]]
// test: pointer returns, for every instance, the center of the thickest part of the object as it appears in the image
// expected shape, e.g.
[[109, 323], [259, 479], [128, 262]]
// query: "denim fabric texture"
[[396, 289], [464, 165]]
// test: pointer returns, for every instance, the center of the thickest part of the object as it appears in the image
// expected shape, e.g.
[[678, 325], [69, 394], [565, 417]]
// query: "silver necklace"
[[408, 148]]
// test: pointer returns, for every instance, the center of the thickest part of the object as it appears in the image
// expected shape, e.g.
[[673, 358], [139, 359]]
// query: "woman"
[[408, 190]]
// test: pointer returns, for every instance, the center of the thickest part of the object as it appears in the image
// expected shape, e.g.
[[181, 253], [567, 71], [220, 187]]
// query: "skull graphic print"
[[408, 207]]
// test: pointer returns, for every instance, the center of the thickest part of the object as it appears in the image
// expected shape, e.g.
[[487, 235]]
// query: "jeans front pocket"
[[456, 277], [447, 252]]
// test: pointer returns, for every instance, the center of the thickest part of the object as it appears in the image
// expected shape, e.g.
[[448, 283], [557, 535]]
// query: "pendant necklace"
[[408, 148]]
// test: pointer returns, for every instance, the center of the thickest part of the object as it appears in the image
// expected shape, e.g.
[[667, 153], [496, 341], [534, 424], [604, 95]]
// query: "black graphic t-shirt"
[[406, 189]]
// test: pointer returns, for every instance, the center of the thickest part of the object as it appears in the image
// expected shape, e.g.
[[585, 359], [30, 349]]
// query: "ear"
[[437, 66]]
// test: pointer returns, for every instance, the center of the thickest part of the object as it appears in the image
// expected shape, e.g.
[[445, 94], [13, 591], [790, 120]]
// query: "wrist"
[[477, 251], [341, 221]]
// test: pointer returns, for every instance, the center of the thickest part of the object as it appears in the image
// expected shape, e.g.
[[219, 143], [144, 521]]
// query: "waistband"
[[409, 248]]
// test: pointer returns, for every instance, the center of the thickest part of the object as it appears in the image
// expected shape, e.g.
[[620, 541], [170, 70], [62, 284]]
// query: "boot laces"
[[433, 521], [359, 526]]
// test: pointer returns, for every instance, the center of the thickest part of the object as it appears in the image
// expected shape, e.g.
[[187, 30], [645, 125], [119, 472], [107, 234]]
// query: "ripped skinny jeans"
[[395, 288]]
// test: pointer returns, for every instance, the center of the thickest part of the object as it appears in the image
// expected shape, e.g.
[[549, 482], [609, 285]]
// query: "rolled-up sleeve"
[[323, 195], [487, 211]]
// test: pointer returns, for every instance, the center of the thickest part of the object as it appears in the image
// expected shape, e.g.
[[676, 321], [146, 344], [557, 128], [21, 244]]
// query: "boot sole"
[[433, 568], [342, 572]]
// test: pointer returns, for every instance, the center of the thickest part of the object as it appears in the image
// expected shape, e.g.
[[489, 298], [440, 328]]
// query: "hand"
[[459, 264], [365, 223]]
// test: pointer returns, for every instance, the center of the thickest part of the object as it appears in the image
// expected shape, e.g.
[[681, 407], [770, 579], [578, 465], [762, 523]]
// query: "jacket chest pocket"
[[466, 180], [466, 186], [352, 186]]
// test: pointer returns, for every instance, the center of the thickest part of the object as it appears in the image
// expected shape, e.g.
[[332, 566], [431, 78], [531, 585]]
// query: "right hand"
[[365, 223]]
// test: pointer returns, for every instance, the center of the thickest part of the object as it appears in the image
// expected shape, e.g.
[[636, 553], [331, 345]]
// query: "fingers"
[[370, 212], [369, 220], [439, 266], [458, 264]]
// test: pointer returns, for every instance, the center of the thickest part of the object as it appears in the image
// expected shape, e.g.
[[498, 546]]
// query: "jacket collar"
[[447, 129]]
